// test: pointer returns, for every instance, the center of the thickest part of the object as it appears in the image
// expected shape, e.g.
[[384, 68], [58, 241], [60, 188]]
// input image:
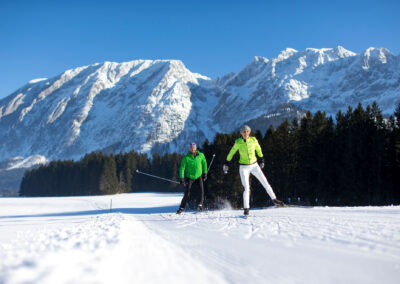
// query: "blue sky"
[[44, 38]]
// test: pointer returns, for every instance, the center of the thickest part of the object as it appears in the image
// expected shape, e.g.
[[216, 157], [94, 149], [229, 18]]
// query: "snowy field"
[[78, 240]]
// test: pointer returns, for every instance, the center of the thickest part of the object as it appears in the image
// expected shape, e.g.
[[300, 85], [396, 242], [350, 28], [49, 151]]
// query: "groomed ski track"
[[142, 240]]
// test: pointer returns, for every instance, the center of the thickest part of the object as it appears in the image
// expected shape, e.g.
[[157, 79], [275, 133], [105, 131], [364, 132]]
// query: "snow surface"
[[28, 162], [34, 81], [78, 240]]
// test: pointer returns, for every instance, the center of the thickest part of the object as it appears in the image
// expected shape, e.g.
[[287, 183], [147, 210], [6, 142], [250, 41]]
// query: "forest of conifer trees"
[[352, 160]]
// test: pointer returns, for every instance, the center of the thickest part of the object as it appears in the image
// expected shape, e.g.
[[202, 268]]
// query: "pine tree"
[[108, 178], [305, 168]]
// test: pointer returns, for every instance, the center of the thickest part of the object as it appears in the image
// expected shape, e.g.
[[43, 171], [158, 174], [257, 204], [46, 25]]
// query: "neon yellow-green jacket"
[[246, 150], [193, 167]]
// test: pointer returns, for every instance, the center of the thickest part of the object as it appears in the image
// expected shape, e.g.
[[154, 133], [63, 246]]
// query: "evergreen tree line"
[[99, 174], [354, 160]]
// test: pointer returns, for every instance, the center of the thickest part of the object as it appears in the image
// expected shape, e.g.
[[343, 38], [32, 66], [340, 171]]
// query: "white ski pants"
[[255, 170]]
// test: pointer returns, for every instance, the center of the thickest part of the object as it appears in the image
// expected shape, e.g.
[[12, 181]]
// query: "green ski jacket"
[[193, 167], [247, 151]]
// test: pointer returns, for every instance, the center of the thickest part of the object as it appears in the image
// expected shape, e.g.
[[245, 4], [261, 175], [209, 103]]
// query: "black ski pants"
[[187, 192]]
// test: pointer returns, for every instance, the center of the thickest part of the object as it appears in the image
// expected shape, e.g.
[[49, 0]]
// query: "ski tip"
[[281, 206]]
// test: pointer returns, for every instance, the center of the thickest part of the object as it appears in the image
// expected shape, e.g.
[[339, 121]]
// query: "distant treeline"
[[98, 174], [352, 161]]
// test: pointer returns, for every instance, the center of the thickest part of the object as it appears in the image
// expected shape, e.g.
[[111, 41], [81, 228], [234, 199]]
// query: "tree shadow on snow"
[[149, 210]]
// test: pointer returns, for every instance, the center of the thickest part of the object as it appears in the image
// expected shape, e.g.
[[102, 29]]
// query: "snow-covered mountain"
[[21, 162], [326, 79], [12, 170], [160, 106], [109, 106]]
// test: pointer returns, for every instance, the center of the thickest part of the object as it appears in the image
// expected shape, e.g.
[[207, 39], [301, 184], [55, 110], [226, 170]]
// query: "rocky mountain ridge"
[[160, 106]]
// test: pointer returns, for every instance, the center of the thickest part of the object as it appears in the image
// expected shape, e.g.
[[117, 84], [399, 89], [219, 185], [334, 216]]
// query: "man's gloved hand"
[[262, 164], [182, 181], [204, 177], [225, 168]]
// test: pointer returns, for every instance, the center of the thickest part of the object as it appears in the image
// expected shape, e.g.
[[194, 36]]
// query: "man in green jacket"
[[194, 168], [248, 146]]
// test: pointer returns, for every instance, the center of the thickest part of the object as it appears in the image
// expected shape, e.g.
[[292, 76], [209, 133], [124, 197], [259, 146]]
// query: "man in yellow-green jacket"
[[194, 168], [248, 146]]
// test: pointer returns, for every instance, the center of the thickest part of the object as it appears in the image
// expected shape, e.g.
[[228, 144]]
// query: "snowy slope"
[[21, 162], [327, 79], [161, 106], [110, 106], [77, 240], [12, 170]]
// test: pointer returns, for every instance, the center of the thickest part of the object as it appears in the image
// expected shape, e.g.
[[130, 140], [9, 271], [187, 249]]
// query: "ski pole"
[[170, 180], [211, 163]]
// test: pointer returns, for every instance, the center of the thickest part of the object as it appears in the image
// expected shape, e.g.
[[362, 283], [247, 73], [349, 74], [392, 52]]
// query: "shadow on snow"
[[149, 210]]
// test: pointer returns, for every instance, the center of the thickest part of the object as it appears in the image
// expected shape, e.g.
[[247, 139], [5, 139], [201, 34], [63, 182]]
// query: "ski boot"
[[246, 212], [278, 202], [180, 210]]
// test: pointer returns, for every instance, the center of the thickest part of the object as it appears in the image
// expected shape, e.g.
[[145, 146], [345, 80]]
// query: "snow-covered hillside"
[[160, 106], [12, 170], [78, 240], [109, 106], [21, 162], [327, 79]]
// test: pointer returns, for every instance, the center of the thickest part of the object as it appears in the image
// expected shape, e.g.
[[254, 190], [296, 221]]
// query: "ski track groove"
[[292, 228], [336, 228], [87, 247]]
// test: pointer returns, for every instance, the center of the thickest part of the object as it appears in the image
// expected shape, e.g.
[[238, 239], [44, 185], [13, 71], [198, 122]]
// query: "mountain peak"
[[373, 54], [331, 53], [260, 59], [317, 50], [289, 49], [285, 54], [342, 52], [34, 81], [377, 52]]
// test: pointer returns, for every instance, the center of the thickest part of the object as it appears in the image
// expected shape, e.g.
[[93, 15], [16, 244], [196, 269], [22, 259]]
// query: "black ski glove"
[[262, 164], [182, 181], [204, 177]]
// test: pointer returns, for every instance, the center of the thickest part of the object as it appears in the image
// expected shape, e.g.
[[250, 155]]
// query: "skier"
[[193, 167], [247, 146]]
